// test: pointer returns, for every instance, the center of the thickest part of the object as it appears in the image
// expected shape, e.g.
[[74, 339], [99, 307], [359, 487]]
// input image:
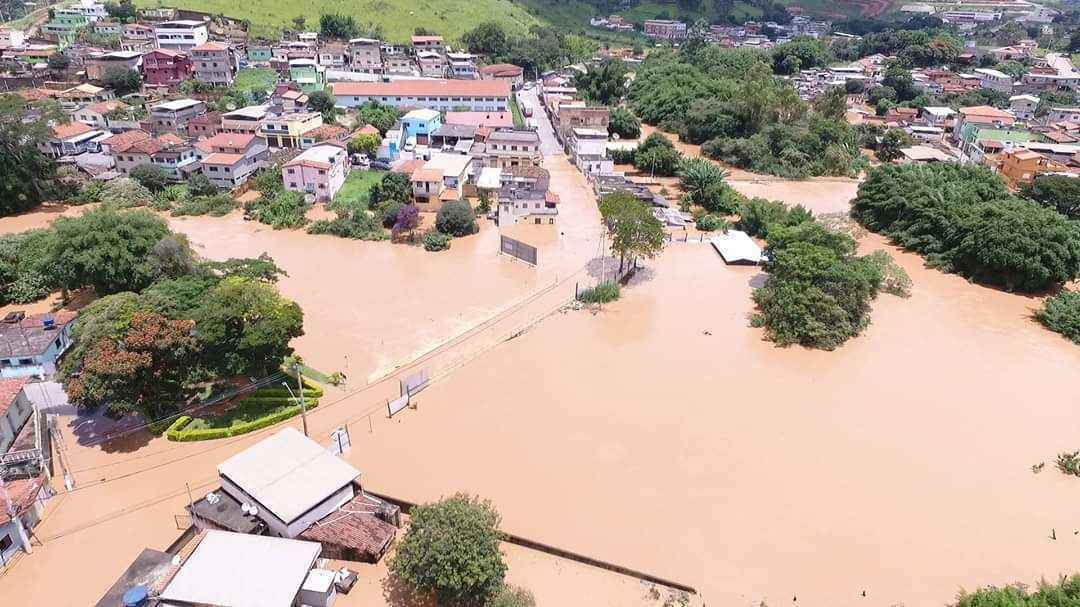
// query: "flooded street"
[[661, 433]]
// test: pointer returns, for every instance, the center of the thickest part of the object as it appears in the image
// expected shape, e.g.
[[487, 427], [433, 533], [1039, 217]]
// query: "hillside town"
[[265, 301]]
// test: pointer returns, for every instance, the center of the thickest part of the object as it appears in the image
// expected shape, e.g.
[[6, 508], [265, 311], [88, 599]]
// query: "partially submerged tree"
[[632, 228]]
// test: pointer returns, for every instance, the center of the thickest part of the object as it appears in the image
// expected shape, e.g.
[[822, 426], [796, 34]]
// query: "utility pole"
[[303, 404]]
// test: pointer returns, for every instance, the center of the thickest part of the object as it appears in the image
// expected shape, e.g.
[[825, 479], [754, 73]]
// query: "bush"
[[357, 224], [624, 124], [1066, 592], [216, 206], [197, 429], [757, 216], [283, 209], [1056, 192], [894, 279], [621, 156], [512, 596], [151, 177], [387, 212], [1069, 463], [1061, 313], [174, 429], [712, 223], [456, 218], [436, 241], [601, 293], [125, 192], [451, 550]]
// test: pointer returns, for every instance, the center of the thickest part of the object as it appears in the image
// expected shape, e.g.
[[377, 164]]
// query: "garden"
[[264, 407]]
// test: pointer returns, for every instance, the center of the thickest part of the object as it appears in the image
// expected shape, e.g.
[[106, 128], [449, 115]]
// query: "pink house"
[[318, 172]]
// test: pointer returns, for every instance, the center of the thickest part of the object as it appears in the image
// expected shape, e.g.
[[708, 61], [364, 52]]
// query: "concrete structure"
[[214, 63], [15, 410], [72, 139], [588, 151], [437, 94], [30, 345], [1021, 165], [524, 197], [365, 55], [173, 116], [286, 130], [994, 80], [981, 114], [97, 63], [504, 71], [229, 159], [420, 125], [318, 172], [428, 43], [1023, 106], [241, 570], [665, 29], [207, 125], [180, 36], [308, 74], [246, 120], [462, 66], [333, 56], [166, 67], [174, 155], [26, 496], [578, 115], [505, 148], [1064, 114], [481, 119]]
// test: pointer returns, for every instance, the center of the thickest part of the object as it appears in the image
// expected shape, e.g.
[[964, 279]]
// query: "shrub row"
[[601, 293], [198, 434]]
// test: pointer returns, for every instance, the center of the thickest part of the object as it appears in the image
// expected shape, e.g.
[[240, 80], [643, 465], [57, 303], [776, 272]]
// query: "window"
[[26, 361], [5, 543], [292, 184]]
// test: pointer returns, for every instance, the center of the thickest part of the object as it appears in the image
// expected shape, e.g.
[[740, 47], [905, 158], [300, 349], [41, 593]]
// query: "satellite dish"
[[254, 510], [176, 560], [245, 507]]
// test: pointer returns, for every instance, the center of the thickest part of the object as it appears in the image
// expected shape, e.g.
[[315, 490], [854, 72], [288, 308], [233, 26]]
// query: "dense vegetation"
[[1064, 593], [730, 101], [542, 48], [27, 177], [632, 229], [964, 220], [1055, 192], [1061, 313]]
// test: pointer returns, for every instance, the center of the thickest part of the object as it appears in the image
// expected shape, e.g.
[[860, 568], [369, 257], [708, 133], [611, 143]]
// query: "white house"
[[31, 344], [180, 36], [1023, 106], [434, 93], [15, 409], [994, 80]]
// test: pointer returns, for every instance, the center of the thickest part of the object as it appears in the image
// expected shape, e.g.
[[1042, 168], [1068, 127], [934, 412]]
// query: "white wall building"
[[180, 36], [434, 93]]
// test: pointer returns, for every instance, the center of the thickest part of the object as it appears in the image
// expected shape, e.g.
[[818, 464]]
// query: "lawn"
[[246, 411], [519, 120], [255, 79], [356, 187]]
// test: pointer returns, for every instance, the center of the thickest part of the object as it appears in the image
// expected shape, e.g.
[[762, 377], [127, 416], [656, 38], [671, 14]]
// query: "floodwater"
[[661, 433]]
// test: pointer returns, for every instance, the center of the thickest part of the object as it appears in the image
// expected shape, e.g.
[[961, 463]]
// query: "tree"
[[282, 209], [833, 104], [143, 370], [324, 103], [298, 22], [366, 143], [456, 218], [800, 53], [892, 142], [488, 38], [26, 274], [658, 160], [393, 187], [633, 229], [199, 185], [604, 84], [854, 87], [123, 11], [451, 550], [408, 219], [1056, 192], [696, 175], [624, 123], [334, 25], [245, 327], [121, 80], [27, 176], [109, 250], [58, 62], [382, 117], [512, 596], [1061, 313], [151, 177]]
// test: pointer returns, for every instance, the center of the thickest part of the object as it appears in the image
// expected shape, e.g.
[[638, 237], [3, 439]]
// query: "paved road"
[[549, 146]]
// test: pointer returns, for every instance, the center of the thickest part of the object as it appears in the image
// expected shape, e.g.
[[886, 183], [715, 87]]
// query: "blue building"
[[420, 125]]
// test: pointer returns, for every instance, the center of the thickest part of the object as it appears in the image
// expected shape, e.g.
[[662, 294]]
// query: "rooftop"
[[123, 141], [449, 164], [148, 567], [223, 159], [288, 473], [251, 112], [502, 70], [176, 105], [355, 525], [229, 140], [478, 119], [70, 129], [29, 337], [421, 114], [428, 87], [321, 155], [211, 46], [9, 391], [241, 570]]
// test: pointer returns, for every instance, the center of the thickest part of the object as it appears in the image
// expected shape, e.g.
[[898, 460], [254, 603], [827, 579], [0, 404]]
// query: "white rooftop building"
[[737, 247], [241, 570]]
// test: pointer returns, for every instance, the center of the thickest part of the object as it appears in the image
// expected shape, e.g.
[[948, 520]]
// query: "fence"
[[518, 249]]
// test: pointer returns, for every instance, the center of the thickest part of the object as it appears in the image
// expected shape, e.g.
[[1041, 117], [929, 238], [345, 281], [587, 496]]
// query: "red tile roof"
[[985, 111], [502, 70], [70, 129], [223, 159], [422, 39], [424, 88], [123, 141], [229, 140], [211, 46], [22, 492], [427, 175], [9, 390], [104, 107], [353, 527], [327, 131]]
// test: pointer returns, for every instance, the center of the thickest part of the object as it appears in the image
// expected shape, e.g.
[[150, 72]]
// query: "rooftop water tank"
[[135, 597]]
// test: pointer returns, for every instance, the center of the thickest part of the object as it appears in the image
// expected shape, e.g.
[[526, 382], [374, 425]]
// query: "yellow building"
[[285, 131], [1022, 165]]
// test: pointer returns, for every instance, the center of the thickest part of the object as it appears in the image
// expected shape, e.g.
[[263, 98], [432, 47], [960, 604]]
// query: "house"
[[440, 179], [901, 115], [994, 80], [71, 139], [588, 150], [308, 74], [921, 154], [97, 64], [509, 72], [15, 411], [665, 29], [118, 144], [31, 344], [318, 172], [420, 125], [980, 140], [436, 94], [238, 570], [462, 66], [937, 116], [246, 120], [365, 55], [1064, 114], [166, 67], [168, 152], [181, 35], [207, 125], [301, 490], [64, 26], [524, 197], [981, 114], [287, 130], [432, 64], [578, 115], [428, 43], [108, 28], [138, 32], [505, 148], [109, 115], [232, 158], [173, 116], [397, 63], [83, 93], [480, 119], [259, 54], [25, 497], [287, 97], [1023, 106], [215, 63], [334, 56], [1021, 165]]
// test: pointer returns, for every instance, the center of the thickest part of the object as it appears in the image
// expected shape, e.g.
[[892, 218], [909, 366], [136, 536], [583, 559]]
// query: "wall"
[[280, 528]]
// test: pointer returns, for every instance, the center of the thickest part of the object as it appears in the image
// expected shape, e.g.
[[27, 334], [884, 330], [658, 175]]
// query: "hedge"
[[173, 432], [268, 396]]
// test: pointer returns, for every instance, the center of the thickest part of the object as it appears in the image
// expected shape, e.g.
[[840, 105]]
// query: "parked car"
[[380, 165], [360, 160]]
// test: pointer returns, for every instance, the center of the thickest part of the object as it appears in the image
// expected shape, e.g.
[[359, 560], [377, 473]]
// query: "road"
[[549, 145]]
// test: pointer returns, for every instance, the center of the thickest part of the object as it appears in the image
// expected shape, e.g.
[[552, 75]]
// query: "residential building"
[[166, 67], [286, 130], [665, 29], [97, 63], [93, 11], [432, 64], [215, 63], [307, 74], [420, 125], [72, 139], [480, 119], [578, 115], [504, 71], [138, 32], [168, 152], [97, 115], [26, 497], [180, 35], [333, 56], [506, 148], [366, 55], [318, 172], [1023, 106], [232, 158], [588, 151], [15, 411], [436, 94], [31, 344], [259, 53], [994, 80], [205, 126], [440, 179], [922, 154], [63, 27], [287, 98], [1064, 114], [108, 28], [328, 133], [938, 116], [245, 121], [398, 63], [118, 144], [462, 66], [1020, 165], [524, 197], [428, 43], [977, 141], [172, 116], [981, 114]]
